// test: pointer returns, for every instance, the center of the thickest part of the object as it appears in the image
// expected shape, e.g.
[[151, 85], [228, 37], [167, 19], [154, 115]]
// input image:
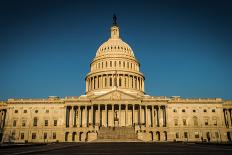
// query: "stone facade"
[[116, 102]]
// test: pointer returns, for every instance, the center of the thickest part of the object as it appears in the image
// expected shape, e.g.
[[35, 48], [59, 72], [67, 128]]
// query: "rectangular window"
[[185, 134], [46, 123], [23, 123], [55, 122], [184, 122], [14, 123], [22, 136], [177, 135], [215, 122], [217, 135], [176, 122], [33, 136], [25, 111], [110, 63], [196, 134], [45, 135], [35, 121], [54, 135], [206, 122]]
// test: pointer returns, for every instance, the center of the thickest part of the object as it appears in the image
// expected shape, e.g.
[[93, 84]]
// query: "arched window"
[[120, 82], [135, 83], [125, 82], [195, 121], [105, 82], [110, 81], [115, 81], [132, 82]]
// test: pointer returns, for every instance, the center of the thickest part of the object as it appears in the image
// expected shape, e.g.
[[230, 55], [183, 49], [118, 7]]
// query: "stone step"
[[117, 134]]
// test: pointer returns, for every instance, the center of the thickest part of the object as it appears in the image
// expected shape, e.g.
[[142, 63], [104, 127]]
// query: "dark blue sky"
[[184, 47]]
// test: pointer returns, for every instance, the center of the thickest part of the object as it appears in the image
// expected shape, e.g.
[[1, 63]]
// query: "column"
[[1, 119], [126, 115], [119, 115], [140, 122], [157, 117], [106, 117], [66, 116], [146, 116], [71, 117], [164, 117], [160, 116], [86, 115], [230, 117], [99, 115], [92, 111], [133, 113], [112, 115], [79, 116], [152, 115], [75, 119]]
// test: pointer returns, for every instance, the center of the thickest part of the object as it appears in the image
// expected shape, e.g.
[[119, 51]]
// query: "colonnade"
[[228, 117], [111, 80], [116, 115]]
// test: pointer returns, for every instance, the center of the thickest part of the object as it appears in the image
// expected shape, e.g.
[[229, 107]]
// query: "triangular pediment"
[[117, 95]]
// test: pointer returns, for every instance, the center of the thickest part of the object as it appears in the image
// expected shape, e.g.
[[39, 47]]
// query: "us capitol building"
[[115, 108]]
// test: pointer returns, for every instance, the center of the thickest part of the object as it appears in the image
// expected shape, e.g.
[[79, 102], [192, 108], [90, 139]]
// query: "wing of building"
[[115, 108]]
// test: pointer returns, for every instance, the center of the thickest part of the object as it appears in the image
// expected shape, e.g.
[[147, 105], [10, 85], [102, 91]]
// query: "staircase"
[[117, 134]]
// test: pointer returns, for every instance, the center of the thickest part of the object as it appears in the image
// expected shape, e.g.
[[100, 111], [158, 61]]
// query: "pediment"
[[117, 95]]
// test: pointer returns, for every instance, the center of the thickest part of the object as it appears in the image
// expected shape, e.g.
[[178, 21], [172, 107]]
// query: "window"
[[184, 122], [114, 63], [120, 82], [54, 135], [185, 134], [110, 63], [105, 82], [45, 135], [206, 122], [124, 64], [106, 64], [46, 123], [14, 123], [102, 64], [23, 123], [215, 121], [176, 122], [119, 63], [205, 110], [36, 111], [33, 136], [24, 111], [110, 81], [213, 110], [13, 135], [194, 110], [183, 110], [125, 82], [177, 135], [174, 110], [217, 135], [195, 121], [47, 111], [22, 136], [196, 134], [35, 121], [55, 122], [16, 111]]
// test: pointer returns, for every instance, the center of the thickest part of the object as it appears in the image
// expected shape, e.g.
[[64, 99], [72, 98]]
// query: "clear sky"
[[184, 47]]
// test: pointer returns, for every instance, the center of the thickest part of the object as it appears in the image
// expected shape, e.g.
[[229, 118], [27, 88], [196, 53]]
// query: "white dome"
[[115, 45]]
